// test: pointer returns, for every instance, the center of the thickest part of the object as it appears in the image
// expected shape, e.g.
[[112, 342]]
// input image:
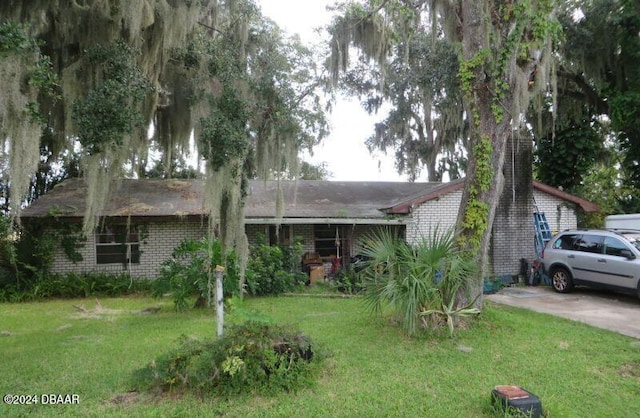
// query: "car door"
[[587, 250], [560, 248], [617, 270]]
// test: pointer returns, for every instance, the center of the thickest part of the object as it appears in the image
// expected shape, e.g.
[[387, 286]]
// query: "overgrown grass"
[[372, 370]]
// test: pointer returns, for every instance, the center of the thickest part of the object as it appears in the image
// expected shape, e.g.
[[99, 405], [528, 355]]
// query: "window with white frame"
[[117, 244]]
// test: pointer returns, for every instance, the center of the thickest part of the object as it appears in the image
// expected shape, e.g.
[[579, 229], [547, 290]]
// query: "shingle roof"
[[162, 198], [334, 199], [303, 199]]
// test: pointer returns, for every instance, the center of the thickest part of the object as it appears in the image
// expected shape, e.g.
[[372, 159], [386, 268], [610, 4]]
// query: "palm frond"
[[414, 279]]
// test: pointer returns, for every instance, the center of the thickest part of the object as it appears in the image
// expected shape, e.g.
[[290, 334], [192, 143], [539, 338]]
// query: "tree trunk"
[[485, 179]]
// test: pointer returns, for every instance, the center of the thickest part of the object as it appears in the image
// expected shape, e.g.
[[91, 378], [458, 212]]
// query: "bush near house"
[[421, 282], [274, 269], [72, 285], [349, 280], [189, 273], [271, 270]]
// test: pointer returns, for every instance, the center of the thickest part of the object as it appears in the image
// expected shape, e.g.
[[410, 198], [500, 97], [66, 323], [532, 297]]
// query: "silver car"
[[608, 259]]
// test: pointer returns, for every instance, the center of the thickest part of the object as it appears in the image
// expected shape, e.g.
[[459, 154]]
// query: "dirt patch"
[[100, 311], [631, 370], [126, 398]]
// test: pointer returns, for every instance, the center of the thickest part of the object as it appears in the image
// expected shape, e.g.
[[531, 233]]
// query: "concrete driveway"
[[615, 312]]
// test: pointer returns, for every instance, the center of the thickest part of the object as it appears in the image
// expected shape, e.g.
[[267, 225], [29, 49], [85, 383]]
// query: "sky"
[[344, 151]]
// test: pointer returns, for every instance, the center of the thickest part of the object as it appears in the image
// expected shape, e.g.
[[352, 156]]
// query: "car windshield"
[[633, 239]]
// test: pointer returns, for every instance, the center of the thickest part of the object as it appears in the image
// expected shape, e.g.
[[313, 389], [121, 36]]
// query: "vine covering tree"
[[504, 58]]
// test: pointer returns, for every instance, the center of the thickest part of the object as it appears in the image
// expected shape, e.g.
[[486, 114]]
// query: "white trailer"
[[629, 221]]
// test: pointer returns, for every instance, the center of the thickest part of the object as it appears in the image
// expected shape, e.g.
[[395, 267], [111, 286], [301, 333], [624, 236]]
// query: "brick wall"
[[304, 234], [440, 213], [157, 246], [560, 214], [513, 233], [163, 237]]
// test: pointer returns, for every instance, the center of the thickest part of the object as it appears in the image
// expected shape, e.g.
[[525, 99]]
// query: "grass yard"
[[372, 369]]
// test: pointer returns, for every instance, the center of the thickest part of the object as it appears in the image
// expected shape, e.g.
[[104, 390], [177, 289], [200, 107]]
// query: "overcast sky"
[[344, 150]]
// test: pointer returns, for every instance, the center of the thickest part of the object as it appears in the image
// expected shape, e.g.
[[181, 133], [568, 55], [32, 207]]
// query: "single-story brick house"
[[152, 216]]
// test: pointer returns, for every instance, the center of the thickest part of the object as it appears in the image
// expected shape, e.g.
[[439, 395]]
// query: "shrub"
[[187, 273], [73, 285], [273, 270], [251, 357], [348, 280]]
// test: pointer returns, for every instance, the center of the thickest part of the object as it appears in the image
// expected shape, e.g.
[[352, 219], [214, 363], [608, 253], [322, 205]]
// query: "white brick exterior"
[[560, 214], [440, 213], [157, 244], [162, 237]]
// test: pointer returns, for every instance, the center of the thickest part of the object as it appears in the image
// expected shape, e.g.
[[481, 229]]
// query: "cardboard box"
[[316, 274]]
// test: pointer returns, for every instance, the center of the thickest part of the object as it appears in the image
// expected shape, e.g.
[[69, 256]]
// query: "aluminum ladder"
[[543, 236], [543, 232]]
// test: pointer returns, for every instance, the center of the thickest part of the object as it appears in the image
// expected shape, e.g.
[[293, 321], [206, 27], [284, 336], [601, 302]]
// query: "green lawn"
[[372, 369]]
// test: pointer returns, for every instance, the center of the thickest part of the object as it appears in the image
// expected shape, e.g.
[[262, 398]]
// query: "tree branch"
[[211, 28], [592, 96]]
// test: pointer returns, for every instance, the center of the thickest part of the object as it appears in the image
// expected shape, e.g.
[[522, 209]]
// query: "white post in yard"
[[219, 273]]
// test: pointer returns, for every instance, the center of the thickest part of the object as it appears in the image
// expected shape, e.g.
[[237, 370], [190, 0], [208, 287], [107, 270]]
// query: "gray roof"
[[304, 200], [168, 198]]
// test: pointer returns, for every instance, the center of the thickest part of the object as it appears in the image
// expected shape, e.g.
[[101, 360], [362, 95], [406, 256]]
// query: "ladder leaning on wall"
[[543, 236], [543, 232]]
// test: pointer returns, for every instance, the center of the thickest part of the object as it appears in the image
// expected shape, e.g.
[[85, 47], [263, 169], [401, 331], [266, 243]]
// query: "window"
[[330, 240], [565, 242], [633, 239], [613, 246], [279, 235], [117, 244], [589, 244]]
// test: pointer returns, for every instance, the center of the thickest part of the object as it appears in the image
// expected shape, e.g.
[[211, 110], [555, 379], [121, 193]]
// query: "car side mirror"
[[627, 254]]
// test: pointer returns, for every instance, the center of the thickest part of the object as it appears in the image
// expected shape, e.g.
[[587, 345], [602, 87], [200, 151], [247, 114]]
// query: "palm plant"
[[418, 282]]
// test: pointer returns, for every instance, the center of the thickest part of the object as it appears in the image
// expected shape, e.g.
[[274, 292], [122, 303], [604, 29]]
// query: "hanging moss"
[[410, 67], [72, 36], [110, 110], [205, 69], [363, 28], [108, 120], [24, 73]]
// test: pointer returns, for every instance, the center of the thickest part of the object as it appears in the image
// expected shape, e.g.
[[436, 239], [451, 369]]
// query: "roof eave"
[[585, 205], [406, 206], [249, 220]]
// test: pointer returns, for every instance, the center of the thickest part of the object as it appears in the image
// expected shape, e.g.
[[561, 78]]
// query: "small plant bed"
[[72, 285]]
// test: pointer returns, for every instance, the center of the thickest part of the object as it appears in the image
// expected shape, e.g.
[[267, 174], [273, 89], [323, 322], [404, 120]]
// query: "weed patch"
[[251, 357]]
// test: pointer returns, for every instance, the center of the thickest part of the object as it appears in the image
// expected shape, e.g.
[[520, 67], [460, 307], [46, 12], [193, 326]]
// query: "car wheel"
[[561, 280]]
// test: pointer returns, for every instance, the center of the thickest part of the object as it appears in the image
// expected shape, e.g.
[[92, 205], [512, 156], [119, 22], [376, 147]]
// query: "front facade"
[[149, 218]]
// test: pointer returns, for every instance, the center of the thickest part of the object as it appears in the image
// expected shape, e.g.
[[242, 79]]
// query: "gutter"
[[332, 221]]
